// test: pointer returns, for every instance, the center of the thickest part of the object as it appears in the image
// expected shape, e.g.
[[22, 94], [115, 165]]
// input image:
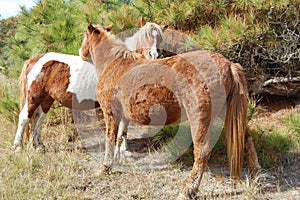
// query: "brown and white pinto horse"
[[152, 92], [69, 80]]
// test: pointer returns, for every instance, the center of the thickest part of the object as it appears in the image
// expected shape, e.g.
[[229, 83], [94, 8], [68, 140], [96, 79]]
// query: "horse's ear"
[[143, 22], [108, 28], [91, 28], [164, 27]]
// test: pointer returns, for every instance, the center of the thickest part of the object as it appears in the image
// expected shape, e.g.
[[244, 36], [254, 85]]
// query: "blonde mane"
[[119, 49], [146, 32]]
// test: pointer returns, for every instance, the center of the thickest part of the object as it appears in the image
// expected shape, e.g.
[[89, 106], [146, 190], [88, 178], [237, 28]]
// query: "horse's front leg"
[[110, 142]]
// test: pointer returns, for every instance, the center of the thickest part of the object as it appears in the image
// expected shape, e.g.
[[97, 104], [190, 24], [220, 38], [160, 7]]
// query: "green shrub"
[[271, 144], [9, 100]]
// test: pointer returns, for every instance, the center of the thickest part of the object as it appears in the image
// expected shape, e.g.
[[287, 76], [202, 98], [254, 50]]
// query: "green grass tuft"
[[293, 123], [271, 144]]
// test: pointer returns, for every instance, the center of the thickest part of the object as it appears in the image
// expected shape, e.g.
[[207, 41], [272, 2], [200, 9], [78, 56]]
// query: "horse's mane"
[[145, 33], [118, 48]]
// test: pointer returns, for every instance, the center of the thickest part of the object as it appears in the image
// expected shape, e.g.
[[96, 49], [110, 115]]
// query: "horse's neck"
[[107, 53], [101, 61]]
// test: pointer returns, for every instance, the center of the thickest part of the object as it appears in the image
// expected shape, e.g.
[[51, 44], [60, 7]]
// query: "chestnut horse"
[[69, 80], [200, 83]]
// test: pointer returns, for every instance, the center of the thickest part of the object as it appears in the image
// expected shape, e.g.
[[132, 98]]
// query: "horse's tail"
[[23, 93], [235, 121], [23, 84]]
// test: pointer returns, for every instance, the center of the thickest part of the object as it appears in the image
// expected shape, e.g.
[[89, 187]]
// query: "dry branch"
[[281, 80], [271, 58]]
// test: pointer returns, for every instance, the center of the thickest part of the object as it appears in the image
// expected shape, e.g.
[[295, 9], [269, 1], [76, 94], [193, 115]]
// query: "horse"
[[199, 84], [55, 77]]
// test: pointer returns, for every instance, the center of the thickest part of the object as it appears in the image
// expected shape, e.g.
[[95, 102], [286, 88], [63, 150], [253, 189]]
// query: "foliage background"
[[263, 36], [253, 33]]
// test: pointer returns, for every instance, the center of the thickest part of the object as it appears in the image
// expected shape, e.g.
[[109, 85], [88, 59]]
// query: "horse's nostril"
[[152, 55]]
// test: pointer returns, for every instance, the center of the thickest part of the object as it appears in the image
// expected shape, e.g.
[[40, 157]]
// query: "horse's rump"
[[27, 66]]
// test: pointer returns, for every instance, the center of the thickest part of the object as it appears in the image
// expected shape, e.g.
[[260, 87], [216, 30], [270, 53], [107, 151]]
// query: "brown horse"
[[200, 83], [69, 80]]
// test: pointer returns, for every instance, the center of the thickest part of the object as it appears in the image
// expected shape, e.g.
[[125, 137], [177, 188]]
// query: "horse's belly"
[[154, 105]]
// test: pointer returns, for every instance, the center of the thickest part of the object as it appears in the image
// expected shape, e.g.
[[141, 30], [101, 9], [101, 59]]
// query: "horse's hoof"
[[183, 197], [40, 148], [80, 148], [105, 169], [18, 148]]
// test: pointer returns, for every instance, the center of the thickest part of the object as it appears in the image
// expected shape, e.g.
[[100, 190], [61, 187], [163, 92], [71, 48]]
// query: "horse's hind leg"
[[39, 117], [22, 123], [201, 152], [251, 155], [121, 143], [199, 115]]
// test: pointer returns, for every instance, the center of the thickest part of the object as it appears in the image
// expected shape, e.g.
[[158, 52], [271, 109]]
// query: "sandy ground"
[[141, 176]]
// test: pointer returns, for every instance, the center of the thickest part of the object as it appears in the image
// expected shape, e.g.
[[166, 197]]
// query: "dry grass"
[[64, 173]]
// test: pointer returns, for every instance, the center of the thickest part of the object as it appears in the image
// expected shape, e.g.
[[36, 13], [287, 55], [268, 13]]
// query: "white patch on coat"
[[39, 76], [83, 79], [153, 50], [154, 33]]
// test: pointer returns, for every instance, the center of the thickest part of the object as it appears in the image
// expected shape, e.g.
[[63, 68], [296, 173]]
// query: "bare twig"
[[281, 80]]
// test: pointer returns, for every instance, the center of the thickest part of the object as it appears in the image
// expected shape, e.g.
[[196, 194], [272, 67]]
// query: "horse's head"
[[149, 38], [94, 36]]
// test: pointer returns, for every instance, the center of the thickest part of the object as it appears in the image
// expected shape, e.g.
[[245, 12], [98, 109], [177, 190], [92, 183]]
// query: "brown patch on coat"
[[52, 86], [164, 108]]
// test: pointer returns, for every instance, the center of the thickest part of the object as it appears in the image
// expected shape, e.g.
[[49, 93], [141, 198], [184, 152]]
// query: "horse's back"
[[212, 67], [65, 78]]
